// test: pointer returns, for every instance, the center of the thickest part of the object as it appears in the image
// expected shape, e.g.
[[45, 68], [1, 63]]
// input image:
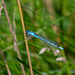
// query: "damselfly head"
[[28, 34], [27, 31]]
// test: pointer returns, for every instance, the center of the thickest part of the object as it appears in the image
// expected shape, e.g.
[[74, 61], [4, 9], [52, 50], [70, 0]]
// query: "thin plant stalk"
[[15, 44], [5, 62], [20, 10], [61, 34], [6, 12], [10, 57]]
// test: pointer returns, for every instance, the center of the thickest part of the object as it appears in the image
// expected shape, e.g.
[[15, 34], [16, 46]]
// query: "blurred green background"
[[52, 19]]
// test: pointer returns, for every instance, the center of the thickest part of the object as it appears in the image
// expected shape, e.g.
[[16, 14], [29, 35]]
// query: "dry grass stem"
[[15, 43], [25, 37], [12, 32], [5, 62]]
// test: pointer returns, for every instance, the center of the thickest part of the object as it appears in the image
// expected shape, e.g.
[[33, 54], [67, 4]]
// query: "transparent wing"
[[29, 36]]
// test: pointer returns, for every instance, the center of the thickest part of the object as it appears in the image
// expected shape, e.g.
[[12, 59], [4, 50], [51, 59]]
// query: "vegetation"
[[52, 19]]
